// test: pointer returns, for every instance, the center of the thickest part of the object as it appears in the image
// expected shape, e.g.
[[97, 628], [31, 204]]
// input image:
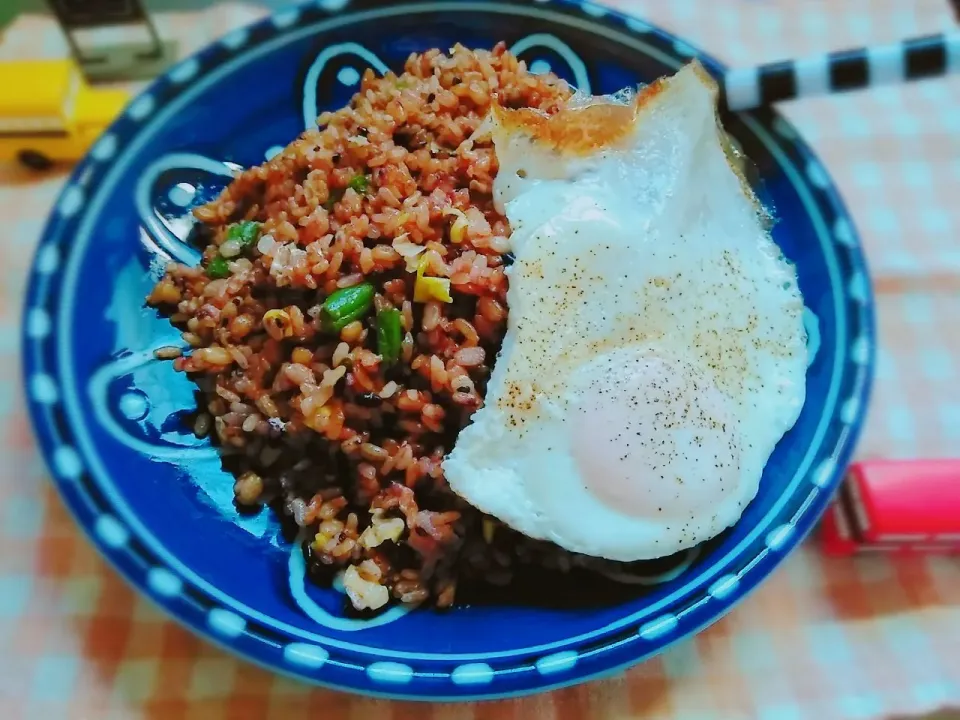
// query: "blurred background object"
[[48, 112], [898, 506], [86, 25]]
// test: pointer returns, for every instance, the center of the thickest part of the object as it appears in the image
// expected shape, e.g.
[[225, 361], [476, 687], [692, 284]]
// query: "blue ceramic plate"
[[154, 498]]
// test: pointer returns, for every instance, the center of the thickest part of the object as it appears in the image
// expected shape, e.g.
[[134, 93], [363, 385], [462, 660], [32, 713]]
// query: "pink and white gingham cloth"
[[870, 637]]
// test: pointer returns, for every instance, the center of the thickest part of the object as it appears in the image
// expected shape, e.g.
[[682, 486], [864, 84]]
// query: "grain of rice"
[[340, 354], [267, 406], [431, 315], [201, 426], [298, 374], [248, 488], [238, 357], [352, 332], [168, 352], [388, 390], [192, 339], [469, 357]]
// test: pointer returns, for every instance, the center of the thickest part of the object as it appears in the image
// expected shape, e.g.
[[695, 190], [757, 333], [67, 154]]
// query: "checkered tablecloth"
[[853, 638]]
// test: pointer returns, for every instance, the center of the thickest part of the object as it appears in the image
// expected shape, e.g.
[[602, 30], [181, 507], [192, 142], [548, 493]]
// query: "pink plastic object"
[[905, 506]]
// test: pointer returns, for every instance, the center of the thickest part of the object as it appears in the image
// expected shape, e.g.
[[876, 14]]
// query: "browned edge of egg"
[[585, 129]]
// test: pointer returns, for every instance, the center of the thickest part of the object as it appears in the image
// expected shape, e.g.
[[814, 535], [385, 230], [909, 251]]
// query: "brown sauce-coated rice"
[[346, 450]]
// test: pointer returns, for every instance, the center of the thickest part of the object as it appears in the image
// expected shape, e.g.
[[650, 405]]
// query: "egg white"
[[655, 351]]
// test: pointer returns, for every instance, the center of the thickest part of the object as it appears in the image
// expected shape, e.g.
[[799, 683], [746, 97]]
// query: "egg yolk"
[[654, 438]]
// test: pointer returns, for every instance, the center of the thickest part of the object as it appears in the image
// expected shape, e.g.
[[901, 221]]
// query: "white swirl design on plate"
[[544, 40], [168, 241], [673, 573], [310, 107], [98, 388]]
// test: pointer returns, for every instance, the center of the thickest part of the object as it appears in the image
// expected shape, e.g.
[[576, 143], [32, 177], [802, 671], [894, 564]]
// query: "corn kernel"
[[489, 528], [431, 288], [277, 324], [458, 231], [301, 356]]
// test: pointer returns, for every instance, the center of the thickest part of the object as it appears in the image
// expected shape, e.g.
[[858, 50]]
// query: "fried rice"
[[346, 447]]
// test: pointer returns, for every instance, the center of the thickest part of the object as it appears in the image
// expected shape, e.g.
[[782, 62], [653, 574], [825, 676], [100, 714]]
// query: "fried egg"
[[655, 351]]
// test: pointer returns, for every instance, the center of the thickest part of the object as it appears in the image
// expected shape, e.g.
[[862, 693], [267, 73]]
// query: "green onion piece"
[[246, 233], [346, 305], [218, 268], [360, 183], [389, 335]]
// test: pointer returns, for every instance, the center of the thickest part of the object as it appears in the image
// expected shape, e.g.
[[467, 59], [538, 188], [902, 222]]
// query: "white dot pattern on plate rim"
[[557, 662], [71, 201], [824, 472], [843, 232], [185, 70], [48, 260], [311, 656], [285, 18], [163, 582], [38, 323], [67, 463], [659, 627], [110, 531], [723, 587], [472, 674], [105, 148], [848, 412], [236, 39], [43, 389], [860, 350], [333, 5], [817, 175], [226, 622], [141, 107], [390, 672], [859, 287], [778, 537]]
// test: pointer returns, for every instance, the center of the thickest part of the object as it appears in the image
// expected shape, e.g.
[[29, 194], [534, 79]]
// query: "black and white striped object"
[[929, 56]]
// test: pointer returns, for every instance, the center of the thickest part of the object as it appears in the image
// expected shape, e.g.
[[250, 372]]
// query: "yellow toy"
[[49, 113]]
